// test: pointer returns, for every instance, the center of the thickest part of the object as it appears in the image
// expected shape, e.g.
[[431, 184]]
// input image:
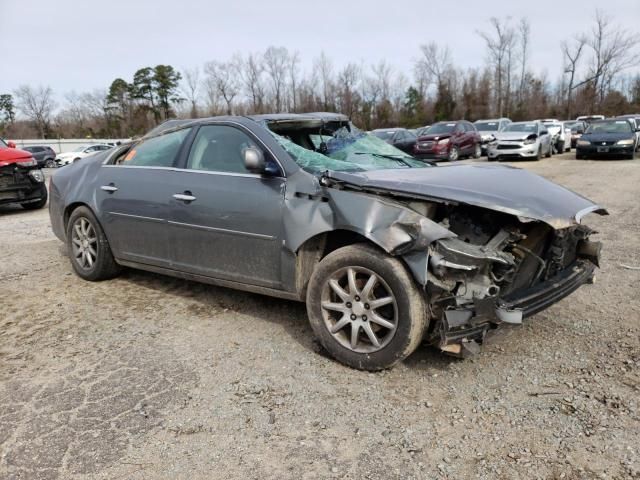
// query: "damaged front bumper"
[[479, 287], [463, 329]]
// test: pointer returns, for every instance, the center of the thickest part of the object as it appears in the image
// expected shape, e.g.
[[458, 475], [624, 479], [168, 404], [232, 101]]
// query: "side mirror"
[[254, 160], [11, 145]]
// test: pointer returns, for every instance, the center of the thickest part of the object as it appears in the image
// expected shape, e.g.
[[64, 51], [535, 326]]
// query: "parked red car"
[[449, 141], [21, 180]]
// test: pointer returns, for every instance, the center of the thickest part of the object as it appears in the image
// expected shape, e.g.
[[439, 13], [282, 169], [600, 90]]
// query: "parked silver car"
[[521, 140], [488, 129], [387, 251]]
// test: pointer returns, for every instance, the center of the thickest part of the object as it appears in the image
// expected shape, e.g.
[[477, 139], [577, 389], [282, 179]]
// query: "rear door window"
[[157, 151]]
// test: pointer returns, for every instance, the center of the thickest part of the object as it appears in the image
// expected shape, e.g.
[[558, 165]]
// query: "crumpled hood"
[[513, 135], [495, 187], [13, 155]]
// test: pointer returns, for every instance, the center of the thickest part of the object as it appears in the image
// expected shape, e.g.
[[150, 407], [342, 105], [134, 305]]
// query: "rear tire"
[[50, 163], [88, 248], [341, 295]]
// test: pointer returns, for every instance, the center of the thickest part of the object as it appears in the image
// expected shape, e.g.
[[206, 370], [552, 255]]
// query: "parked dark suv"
[[44, 155], [449, 141]]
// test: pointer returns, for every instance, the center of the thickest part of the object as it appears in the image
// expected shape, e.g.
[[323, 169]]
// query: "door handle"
[[109, 188], [184, 197]]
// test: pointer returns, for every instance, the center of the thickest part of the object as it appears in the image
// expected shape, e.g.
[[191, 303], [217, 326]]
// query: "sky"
[[83, 45]]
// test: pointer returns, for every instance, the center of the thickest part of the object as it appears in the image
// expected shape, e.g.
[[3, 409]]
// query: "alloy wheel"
[[359, 309], [84, 242]]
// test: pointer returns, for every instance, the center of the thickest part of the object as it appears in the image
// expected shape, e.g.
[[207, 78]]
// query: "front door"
[[225, 222]]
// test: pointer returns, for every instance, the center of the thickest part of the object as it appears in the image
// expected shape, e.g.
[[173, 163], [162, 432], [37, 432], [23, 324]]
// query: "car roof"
[[265, 117]]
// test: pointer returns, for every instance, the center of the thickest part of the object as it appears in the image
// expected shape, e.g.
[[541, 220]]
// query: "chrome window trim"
[[208, 172], [283, 172]]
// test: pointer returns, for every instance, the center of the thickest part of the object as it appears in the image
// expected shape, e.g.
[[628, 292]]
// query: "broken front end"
[[491, 275]]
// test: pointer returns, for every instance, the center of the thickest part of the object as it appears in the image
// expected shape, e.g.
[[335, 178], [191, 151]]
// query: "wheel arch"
[[317, 247], [69, 210]]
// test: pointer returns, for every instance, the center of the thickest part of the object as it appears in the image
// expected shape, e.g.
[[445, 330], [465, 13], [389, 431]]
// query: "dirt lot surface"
[[146, 377]]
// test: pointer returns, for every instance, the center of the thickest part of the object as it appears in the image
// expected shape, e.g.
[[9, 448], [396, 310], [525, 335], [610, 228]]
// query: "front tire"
[[38, 203], [365, 308], [477, 151], [50, 163], [550, 152], [88, 248], [454, 154]]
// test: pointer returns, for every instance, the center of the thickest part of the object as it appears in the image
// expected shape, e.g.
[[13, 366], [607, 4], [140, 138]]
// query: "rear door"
[[226, 222], [133, 199]]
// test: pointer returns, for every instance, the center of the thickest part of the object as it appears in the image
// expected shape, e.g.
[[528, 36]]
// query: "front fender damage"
[[394, 227], [478, 268]]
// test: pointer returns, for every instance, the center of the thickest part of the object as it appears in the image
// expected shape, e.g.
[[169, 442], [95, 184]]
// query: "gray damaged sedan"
[[386, 251]]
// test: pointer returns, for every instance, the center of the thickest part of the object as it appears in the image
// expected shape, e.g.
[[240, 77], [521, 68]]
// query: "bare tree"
[[434, 64], [323, 68], [252, 80], [613, 50], [348, 98], [500, 45], [524, 38], [294, 64], [381, 80], [276, 60], [37, 104], [572, 53], [224, 78], [190, 88]]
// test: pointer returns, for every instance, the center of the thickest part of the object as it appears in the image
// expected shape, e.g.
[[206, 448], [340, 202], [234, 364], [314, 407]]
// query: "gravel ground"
[[149, 377]]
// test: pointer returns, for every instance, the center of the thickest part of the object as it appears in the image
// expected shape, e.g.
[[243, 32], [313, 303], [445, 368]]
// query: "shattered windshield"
[[346, 151]]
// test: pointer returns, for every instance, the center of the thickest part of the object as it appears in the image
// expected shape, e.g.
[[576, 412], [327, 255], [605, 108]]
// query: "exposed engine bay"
[[480, 277]]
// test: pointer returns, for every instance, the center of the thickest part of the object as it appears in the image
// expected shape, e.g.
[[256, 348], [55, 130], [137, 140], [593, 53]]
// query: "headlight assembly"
[[625, 142], [444, 141], [37, 175], [29, 163], [583, 143]]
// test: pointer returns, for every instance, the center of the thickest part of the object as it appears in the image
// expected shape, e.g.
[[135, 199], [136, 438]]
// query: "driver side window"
[[219, 148]]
